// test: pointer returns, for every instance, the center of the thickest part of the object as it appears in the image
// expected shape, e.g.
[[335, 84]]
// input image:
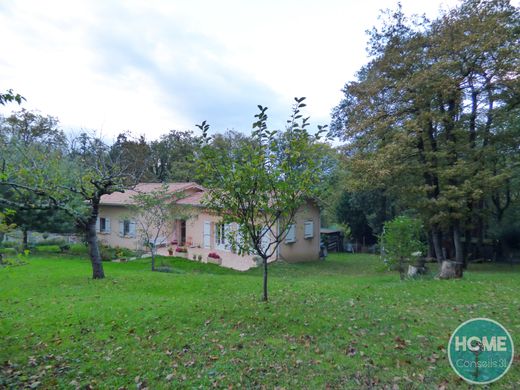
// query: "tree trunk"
[[401, 268], [153, 258], [25, 240], [459, 250], [437, 246], [93, 245], [265, 279], [431, 250], [450, 270], [2, 235], [468, 247]]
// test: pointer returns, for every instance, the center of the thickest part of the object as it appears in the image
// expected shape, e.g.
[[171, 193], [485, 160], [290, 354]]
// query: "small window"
[[103, 225], [308, 229], [127, 228], [291, 234], [220, 235]]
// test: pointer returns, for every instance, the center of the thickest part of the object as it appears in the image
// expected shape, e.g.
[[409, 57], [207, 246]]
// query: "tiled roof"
[[194, 199], [125, 198]]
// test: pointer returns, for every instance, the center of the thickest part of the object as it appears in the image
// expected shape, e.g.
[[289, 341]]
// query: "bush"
[[46, 249], [78, 249], [181, 249], [52, 241], [107, 253], [111, 253], [401, 242], [8, 244], [8, 251]]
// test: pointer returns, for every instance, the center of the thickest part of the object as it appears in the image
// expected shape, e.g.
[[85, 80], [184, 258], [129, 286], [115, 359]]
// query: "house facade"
[[202, 235]]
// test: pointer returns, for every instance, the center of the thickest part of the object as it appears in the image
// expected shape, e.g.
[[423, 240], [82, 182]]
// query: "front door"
[[183, 233]]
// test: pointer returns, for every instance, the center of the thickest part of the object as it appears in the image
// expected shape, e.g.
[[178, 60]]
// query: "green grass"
[[342, 323]]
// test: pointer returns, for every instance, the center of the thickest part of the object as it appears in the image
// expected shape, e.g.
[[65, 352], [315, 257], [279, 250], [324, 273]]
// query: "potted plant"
[[214, 258], [170, 251], [181, 251]]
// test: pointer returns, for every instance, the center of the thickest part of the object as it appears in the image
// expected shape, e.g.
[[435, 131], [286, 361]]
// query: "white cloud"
[[151, 66]]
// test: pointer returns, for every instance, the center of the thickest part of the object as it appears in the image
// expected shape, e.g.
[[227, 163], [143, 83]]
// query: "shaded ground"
[[342, 323]]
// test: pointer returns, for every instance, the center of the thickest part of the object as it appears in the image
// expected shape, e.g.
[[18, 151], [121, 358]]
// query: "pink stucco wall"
[[303, 249]]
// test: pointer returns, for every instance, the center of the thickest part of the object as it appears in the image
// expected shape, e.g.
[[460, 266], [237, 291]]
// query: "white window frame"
[[127, 228], [290, 237], [221, 233], [308, 229], [206, 235], [107, 225]]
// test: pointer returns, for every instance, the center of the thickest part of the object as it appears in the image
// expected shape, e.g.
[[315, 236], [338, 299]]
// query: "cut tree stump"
[[414, 271], [450, 270]]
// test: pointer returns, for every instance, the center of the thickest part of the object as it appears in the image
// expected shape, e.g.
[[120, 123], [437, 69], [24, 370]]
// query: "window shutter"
[[121, 228], [131, 232], [227, 244], [107, 225], [308, 229], [97, 224], [206, 239], [291, 234]]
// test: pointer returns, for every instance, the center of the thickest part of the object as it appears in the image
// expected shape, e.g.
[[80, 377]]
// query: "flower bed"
[[214, 258]]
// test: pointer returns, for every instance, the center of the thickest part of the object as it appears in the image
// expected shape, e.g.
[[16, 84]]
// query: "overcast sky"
[[152, 66]]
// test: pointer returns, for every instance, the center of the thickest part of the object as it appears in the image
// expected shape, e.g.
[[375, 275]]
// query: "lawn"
[[341, 323]]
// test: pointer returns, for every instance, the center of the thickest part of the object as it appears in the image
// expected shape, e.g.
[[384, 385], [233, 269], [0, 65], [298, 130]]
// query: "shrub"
[[401, 242], [107, 253], [8, 244], [52, 241], [78, 249], [181, 249], [47, 249], [214, 255], [8, 251]]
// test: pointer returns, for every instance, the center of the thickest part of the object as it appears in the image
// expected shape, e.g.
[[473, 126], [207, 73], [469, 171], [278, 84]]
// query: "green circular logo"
[[480, 351]]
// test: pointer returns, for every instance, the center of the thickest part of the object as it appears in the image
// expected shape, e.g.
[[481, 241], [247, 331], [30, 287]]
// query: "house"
[[203, 233]]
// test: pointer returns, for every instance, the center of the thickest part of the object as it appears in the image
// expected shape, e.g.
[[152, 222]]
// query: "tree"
[[426, 118], [72, 180], [154, 212], [137, 155], [401, 242], [6, 97], [30, 211], [261, 184], [10, 96], [365, 212], [173, 157]]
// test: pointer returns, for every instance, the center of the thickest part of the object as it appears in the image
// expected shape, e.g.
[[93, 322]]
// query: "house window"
[[221, 233], [308, 229], [291, 234], [103, 225], [127, 228]]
